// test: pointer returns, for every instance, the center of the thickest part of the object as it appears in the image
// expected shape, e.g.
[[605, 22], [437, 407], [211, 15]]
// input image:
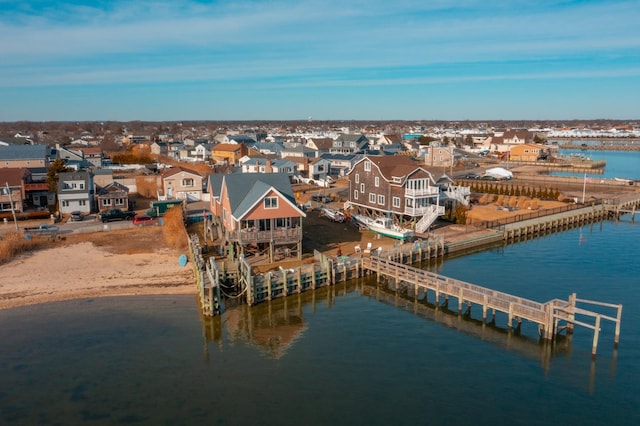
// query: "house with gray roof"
[[16, 156], [267, 165], [349, 143], [76, 192], [258, 216]]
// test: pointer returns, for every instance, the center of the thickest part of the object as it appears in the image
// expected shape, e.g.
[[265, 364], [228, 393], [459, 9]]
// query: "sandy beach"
[[84, 270]]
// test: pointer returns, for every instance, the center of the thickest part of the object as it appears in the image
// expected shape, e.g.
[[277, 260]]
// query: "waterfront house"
[[113, 196], [397, 187], [298, 151], [528, 152], [76, 192], [257, 215], [180, 183]]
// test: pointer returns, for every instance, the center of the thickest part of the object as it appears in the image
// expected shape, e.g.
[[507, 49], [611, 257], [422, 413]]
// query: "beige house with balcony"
[[179, 183]]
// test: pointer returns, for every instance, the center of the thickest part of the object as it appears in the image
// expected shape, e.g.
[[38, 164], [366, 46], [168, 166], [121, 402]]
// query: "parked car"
[[143, 219], [76, 216], [115, 214], [487, 177], [321, 198], [470, 176]]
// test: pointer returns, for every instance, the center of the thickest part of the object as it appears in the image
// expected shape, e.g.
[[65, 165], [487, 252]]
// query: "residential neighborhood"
[[385, 164]]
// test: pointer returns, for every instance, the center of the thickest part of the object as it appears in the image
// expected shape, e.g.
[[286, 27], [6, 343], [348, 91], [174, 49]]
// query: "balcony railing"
[[37, 186], [288, 235], [423, 192], [420, 211]]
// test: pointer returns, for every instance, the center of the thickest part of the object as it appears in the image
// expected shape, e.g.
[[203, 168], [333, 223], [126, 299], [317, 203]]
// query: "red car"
[[143, 219]]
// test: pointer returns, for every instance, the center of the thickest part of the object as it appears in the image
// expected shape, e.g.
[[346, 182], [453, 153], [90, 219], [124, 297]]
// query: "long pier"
[[547, 315]]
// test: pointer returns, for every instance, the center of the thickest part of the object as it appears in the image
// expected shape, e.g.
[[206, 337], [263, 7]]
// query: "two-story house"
[[76, 192], [349, 143], [257, 215], [312, 168], [397, 187], [228, 153], [438, 154], [266, 165], [180, 183], [12, 189]]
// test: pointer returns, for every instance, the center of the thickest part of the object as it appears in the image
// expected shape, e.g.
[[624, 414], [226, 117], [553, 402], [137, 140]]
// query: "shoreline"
[[83, 270]]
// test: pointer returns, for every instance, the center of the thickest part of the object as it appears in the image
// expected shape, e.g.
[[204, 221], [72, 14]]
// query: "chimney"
[[268, 168]]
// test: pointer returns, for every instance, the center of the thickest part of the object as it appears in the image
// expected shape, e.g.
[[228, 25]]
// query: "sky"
[[162, 60]]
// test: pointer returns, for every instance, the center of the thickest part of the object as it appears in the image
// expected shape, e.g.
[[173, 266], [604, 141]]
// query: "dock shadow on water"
[[274, 327]]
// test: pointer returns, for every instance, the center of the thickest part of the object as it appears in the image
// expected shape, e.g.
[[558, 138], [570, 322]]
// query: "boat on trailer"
[[384, 226], [334, 215]]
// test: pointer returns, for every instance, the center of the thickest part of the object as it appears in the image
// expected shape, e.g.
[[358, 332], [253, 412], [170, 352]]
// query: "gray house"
[[76, 192]]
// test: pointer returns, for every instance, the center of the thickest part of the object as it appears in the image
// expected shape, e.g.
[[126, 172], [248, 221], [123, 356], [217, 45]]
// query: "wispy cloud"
[[314, 43]]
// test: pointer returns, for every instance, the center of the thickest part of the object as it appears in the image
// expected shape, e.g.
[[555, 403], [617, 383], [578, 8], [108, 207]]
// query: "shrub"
[[15, 243], [173, 229]]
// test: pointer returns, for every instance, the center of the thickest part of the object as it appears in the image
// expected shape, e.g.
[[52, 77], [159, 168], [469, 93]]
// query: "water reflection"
[[274, 327]]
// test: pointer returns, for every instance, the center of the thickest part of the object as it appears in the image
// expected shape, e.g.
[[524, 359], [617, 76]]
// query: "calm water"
[[352, 354], [620, 164]]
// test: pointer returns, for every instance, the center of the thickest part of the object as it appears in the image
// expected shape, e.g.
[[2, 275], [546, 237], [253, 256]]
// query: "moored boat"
[[384, 226]]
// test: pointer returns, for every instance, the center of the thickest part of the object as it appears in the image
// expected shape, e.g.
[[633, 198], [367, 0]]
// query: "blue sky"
[[286, 60]]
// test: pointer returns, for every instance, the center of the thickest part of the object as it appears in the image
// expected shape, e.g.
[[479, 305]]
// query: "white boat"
[[384, 226], [334, 215], [627, 181]]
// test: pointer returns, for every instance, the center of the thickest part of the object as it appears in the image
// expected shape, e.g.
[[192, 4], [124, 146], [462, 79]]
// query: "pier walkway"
[[547, 315]]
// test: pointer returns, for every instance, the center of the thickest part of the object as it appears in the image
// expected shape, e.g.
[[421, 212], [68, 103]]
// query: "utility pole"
[[13, 211]]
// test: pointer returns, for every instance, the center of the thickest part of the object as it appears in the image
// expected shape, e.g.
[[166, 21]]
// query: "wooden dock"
[[549, 316]]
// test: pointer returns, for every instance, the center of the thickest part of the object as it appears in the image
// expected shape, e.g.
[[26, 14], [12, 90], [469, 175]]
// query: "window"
[[367, 166], [362, 188], [396, 202], [65, 203], [271, 203], [372, 198], [82, 202], [377, 181], [81, 185], [355, 194], [381, 199], [106, 202], [357, 178], [187, 182]]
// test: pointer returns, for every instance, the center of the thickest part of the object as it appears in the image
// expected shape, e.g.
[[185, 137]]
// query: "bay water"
[[355, 353]]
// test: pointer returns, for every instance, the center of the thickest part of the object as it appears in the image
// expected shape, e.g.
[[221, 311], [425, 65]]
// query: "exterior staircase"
[[427, 220], [459, 193]]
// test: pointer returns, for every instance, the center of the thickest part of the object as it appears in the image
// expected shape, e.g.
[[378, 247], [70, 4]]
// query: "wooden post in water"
[[484, 309], [596, 332], [268, 285], [313, 277], [285, 290], [571, 316], [510, 320], [616, 337], [460, 300]]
